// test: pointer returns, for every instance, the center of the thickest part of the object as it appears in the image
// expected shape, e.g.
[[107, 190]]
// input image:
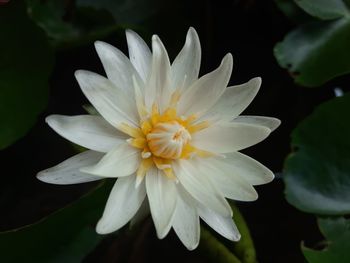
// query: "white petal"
[[229, 137], [200, 188], [230, 184], [141, 214], [118, 67], [162, 197], [110, 101], [91, 132], [158, 87], [123, 203], [139, 53], [242, 165], [271, 123], [234, 100], [121, 161], [187, 62], [223, 225], [68, 172], [186, 222], [208, 88]]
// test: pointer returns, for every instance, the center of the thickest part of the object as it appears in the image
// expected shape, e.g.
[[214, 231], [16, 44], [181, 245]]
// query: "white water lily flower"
[[165, 134]]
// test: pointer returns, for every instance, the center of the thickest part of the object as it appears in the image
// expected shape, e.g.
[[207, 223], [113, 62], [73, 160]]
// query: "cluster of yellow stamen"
[[164, 137]]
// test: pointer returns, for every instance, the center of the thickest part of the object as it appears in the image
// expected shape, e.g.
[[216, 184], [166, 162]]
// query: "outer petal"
[[185, 68], [158, 87], [200, 188], [229, 137], [234, 100], [238, 164], [271, 123], [162, 197], [91, 132], [110, 101], [118, 67], [231, 185], [68, 172], [123, 203], [208, 88], [121, 161], [223, 225], [140, 54], [186, 221]]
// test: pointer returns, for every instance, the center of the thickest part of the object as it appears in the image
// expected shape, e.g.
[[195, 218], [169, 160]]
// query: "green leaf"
[[67, 236], [124, 11], [324, 9], [291, 10], [316, 52], [25, 65], [67, 27], [337, 232], [316, 175]]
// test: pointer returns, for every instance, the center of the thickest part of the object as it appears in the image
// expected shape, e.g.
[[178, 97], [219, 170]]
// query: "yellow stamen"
[[169, 173], [145, 165], [155, 114], [198, 127], [131, 131], [139, 143], [146, 127]]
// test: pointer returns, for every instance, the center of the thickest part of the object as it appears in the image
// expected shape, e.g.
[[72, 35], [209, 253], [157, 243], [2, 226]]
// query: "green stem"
[[214, 250], [244, 249]]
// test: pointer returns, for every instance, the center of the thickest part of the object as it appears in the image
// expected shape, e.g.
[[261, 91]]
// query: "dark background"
[[249, 30]]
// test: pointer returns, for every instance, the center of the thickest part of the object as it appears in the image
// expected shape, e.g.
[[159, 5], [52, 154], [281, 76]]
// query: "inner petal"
[[167, 139]]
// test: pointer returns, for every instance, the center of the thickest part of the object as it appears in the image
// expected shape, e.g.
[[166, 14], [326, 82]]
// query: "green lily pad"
[[25, 65], [337, 250], [67, 235], [324, 9], [317, 51], [317, 174]]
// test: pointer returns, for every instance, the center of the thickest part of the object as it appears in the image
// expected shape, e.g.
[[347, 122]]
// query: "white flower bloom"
[[168, 135]]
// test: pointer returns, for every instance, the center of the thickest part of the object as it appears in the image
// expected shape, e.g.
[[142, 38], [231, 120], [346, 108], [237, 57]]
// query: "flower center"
[[167, 139], [163, 138]]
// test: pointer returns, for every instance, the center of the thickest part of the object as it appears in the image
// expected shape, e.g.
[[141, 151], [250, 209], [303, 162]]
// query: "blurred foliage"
[[317, 173], [316, 51], [68, 26], [26, 62], [337, 247], [67, 235], [74, 23]]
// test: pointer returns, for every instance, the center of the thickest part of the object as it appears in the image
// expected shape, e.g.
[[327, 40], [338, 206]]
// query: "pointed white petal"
[[141, 214], [271, 123], [231, 185], [118, 67], [223, 225], [89, 131], [200, 188], [139, 54], [187, 62], [162, 197], [249, 169], [110, 101], [119, 162], [208, 88], [123, 203], [186, 221], [229, 137], [158, 87], [234, 100], [68, 172]]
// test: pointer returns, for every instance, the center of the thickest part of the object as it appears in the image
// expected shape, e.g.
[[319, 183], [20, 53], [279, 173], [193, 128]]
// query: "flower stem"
[[244, 249], [214, 250]]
